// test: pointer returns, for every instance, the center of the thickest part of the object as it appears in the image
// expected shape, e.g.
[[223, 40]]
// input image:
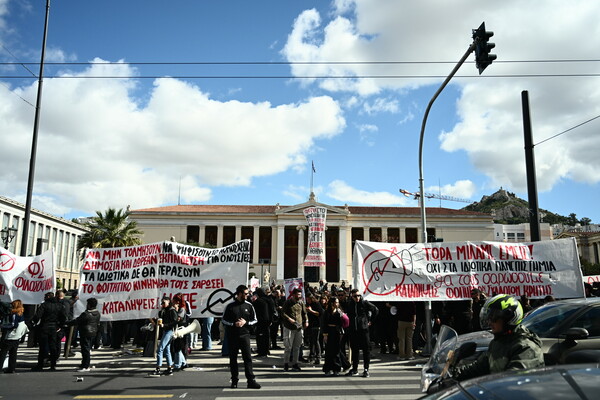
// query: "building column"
[[343, 252], [219, 235], [238, 233], [280, 250], [255, 244], [366, 233], [202, 235], [402, 237], [300, 229], [384, 234]]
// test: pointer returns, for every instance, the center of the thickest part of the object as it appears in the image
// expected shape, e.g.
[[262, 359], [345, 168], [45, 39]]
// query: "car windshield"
[[543, 320]]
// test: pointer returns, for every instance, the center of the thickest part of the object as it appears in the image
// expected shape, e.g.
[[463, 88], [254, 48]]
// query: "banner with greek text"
[[448, 271], [315, 252], [130, 281], [591, 279], [26, 278]]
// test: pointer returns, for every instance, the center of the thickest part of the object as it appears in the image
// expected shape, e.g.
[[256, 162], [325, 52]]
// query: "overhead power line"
[[567, 130]]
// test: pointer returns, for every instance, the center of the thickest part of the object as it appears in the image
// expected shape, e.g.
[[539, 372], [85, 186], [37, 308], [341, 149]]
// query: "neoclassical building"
[[279, 233], [45, 231]]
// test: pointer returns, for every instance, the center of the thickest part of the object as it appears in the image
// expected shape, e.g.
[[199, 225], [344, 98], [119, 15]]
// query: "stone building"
[[279, 233]]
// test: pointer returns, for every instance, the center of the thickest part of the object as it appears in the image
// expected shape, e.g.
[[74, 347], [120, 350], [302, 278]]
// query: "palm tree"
[[111, 229]]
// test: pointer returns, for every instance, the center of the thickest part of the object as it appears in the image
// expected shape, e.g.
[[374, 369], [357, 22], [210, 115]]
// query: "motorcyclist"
[[513, 347]]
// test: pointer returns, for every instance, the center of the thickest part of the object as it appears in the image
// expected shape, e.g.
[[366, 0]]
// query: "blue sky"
[[242, 133]]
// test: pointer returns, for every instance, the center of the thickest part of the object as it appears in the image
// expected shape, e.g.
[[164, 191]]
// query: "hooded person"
[[514, 347], [265, 312]]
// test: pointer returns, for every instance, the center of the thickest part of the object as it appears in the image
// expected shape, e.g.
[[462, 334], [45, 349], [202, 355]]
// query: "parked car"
[[574, 381], [564, 327]]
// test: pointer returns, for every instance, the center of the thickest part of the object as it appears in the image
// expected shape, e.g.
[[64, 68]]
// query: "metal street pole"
[[36, 123], [422, 185], [534, 211]]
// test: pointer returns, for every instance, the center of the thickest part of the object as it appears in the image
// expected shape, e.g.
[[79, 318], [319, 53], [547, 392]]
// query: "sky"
[[150, 103]]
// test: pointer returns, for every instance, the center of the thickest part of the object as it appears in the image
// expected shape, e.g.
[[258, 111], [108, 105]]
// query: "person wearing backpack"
[[51, 316], [13, 329], [88, 324]]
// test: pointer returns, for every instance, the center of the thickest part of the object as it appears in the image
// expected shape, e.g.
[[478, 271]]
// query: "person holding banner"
[[238, 316], [11, 335], [166, 322], [50, 316]]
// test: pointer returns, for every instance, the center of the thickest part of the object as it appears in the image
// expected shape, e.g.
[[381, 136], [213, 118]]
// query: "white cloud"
[[97, 147], [341, 191], [380, 105], [463, 189]]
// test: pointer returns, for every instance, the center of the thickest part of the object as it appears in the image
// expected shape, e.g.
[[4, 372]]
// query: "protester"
[[179, 344], [295, 319], [265, 309], [166, 322], [332, 326], [51, 316], [315, 313], [360, 312], [478, 301], [407, 322], [11, 335], [88, 324], [238, 316]]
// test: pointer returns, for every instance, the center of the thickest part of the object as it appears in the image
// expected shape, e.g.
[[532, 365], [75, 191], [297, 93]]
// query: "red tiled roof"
[[255, 209]]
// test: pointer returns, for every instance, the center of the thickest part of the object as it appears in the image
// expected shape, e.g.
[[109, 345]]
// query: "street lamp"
[[8, 234]]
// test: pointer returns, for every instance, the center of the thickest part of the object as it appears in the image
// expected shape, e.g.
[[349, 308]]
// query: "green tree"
[[111, 229], [585, 221], [572, 219]]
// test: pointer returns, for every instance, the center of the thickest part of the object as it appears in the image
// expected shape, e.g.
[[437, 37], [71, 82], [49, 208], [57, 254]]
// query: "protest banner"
[[130, 281], [591, 279], [26, 278], [448, 271], [290, 284], [315, 252]]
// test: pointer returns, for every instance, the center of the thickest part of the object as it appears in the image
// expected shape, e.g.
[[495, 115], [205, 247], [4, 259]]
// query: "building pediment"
[[298, 208]]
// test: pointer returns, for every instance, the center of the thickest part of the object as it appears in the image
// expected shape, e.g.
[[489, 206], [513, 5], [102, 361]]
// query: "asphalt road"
[[124, 374]]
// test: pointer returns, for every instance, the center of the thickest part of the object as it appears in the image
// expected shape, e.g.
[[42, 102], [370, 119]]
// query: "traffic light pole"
[[422, 186]]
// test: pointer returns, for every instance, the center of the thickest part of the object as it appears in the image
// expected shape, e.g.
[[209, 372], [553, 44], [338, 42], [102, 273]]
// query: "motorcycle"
[[449, 352]]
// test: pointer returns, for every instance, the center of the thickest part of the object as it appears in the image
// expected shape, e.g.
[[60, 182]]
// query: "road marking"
[[123, 396], [346, 387], [313, 379], [335, 397]]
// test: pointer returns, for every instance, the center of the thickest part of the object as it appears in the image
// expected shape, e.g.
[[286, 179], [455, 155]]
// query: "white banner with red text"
[[449, 271], [26, 278], [129, 282]]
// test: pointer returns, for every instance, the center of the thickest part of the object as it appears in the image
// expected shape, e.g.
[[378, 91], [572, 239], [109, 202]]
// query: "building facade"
[[520, 232], [588, 244], [45, 231], [279, 234]]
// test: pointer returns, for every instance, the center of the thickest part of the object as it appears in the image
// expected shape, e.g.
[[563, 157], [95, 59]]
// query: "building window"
[[193, 234], [357, 234], [265, 234], [248, 233], [211, 236], [412, 235], [228, 235], [520, 237], [375, 235], [393, 235]]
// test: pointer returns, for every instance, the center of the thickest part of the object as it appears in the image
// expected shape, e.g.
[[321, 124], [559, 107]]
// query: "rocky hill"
[[507, 208]]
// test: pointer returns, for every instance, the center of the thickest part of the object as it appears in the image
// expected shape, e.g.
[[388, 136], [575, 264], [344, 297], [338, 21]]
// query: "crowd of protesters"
[[327, 324]]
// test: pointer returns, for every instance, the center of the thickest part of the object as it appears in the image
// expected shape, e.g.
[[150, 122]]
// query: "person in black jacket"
[[166, 322], [265, 311], [238, 316], [88, 324], [360, 312], [51, 316]]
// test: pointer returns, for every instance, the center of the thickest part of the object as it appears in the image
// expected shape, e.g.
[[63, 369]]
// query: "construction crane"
[[433, 196]]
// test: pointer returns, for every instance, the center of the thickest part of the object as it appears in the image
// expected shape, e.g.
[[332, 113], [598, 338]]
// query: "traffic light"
[[483, 58]]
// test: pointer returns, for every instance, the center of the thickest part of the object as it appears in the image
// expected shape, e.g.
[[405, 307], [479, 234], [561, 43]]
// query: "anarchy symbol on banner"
[[7, 262], [219, 296], [379, 263]]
